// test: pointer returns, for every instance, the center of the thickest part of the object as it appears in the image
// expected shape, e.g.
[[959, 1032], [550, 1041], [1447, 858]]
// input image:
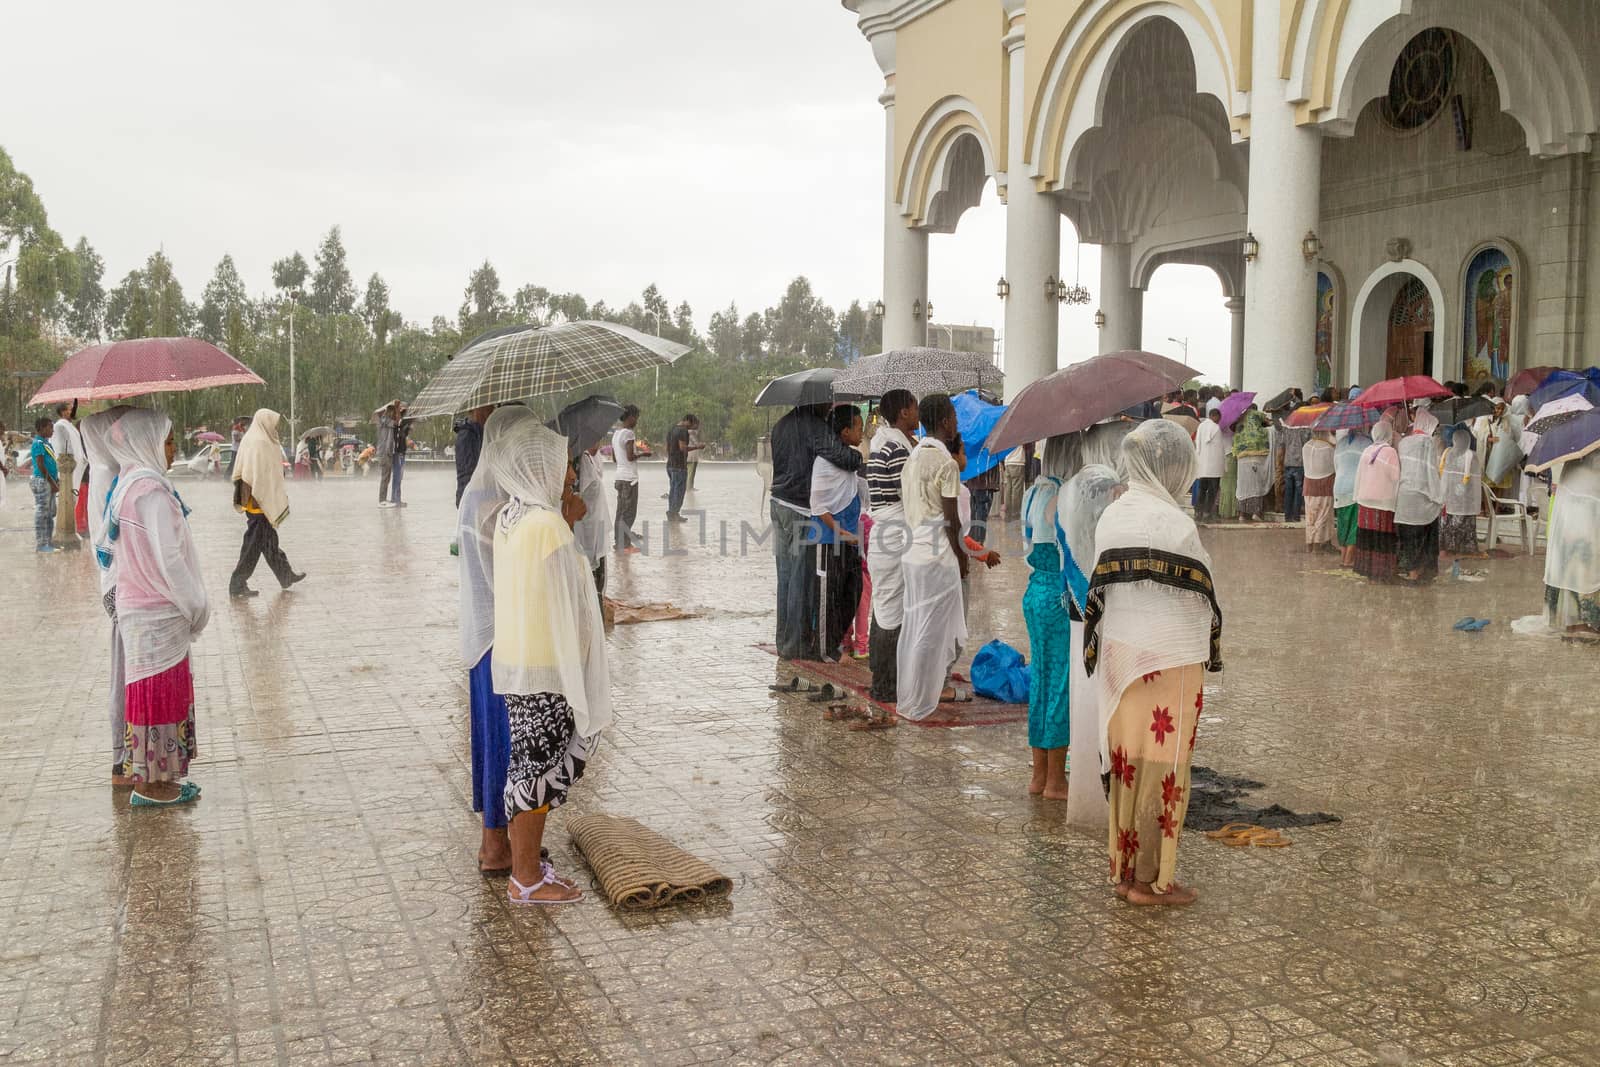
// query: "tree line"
[[354, 351]]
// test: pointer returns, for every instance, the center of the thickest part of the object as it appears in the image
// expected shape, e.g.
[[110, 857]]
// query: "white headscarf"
[[548, 634], [259, 464], [1461, 475], [1082, 501], [1346, 465], [1420, 497], [594, 529], [104, 466], [1059, 459], [1149, 626], [480, 501], [137, 441]]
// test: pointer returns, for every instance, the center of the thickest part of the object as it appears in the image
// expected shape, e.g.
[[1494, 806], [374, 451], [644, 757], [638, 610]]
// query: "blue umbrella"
[[1565, 383], [975, 418], [1572, 439]]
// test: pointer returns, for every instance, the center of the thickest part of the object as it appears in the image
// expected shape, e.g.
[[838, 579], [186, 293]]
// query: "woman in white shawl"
[[1081, 503], [491, 729], [1418, 501], [1346, 465], [161, 607], [1152, 628], [1049, 629], [259, 492], [549, 657], [1461, 483], [104, 467], [1572, 557]]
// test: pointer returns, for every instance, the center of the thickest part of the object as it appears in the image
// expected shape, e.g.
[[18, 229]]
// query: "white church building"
[[1382, 186]]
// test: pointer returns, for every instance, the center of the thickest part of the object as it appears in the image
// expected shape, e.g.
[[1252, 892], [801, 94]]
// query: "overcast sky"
[[717, 148]]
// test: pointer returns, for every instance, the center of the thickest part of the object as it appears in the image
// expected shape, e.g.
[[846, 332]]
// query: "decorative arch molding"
[[1341, 52], [1369, 318], [1073, 94], [1519, 297], [1218, 251], [938, 168]]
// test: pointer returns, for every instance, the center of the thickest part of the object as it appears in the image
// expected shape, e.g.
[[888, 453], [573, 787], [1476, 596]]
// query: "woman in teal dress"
[[1049, 628]]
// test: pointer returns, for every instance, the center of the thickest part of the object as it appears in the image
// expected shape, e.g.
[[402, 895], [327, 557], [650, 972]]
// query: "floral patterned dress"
[[1151, 735]]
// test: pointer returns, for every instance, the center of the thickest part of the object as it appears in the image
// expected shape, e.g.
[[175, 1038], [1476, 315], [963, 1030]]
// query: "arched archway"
[[949, 160], [1400, 325]]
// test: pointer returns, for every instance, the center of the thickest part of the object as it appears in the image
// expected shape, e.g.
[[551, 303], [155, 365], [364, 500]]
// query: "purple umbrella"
[[1347, 417], [1572, 439], [1075, 398], [1233, 405]]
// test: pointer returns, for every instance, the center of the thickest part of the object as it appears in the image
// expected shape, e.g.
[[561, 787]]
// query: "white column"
[[1285, 180], [905, 255], [1122, 303], [1033, 247], [1235, 306]]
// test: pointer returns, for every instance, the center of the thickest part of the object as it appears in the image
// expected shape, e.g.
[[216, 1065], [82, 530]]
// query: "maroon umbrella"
[[1527, 381], [1400, 391], [1076, 397], [148, 365]]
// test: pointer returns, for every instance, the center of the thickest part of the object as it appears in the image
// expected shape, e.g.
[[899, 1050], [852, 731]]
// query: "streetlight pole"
[[1185, 344], [294, 296], [657, 319]]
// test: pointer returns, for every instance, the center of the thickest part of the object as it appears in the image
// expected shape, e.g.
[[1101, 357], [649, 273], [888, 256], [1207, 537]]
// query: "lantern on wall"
[[1002, 288], [1250, 247]]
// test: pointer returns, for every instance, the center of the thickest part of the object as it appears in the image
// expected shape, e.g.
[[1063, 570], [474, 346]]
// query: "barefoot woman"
[[1151, 629], [549, 657]]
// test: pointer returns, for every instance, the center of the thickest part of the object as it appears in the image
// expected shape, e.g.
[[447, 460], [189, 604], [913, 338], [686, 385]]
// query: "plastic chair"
[[1506, 509]]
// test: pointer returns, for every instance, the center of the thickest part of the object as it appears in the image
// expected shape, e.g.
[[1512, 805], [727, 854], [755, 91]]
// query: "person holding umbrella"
[[393, 427], [260, 494], [469, 443]]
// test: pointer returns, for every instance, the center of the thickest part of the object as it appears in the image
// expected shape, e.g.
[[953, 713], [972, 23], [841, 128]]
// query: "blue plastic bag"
[[1000, 673]]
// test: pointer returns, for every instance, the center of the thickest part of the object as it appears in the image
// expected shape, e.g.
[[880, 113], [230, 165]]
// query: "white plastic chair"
[[1506, 510]]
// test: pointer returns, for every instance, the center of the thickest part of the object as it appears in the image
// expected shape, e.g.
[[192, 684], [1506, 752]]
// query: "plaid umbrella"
[[1347, 417], [537, 361], [147, 365], [921, 370]]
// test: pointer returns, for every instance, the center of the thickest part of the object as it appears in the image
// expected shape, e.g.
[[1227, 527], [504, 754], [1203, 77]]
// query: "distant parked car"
[[210, 462]]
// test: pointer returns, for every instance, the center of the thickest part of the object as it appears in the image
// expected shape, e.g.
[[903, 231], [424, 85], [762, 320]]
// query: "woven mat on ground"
[[637, 868], [856, 676], [1215, 800], [623, 613]]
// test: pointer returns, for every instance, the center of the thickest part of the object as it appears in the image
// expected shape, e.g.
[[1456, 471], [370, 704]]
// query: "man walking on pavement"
[[626, 479], [393, 429], [68, 445]]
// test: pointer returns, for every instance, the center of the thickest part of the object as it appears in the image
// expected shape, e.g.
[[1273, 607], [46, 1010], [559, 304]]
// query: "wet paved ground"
[[898, 897]]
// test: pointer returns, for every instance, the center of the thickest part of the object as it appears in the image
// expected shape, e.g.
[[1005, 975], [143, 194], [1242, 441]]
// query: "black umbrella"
[[1278, 403], [814, 386], [585, 422], [1461, 408]]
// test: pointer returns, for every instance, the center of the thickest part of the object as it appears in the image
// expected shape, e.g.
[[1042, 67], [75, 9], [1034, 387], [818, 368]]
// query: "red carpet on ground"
[[855, 677]]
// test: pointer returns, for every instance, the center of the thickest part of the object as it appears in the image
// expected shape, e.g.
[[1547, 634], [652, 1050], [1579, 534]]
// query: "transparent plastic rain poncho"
[[161, 599], [1572, 558], [1039, 503], [1148, 626], [104, 466], [1419, 497], [480, 502], [1461, 475], [1346, 463], [548, 634], [1378, 478]]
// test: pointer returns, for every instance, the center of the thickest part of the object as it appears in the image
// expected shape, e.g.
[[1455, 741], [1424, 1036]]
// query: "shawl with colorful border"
[[1121, 565]]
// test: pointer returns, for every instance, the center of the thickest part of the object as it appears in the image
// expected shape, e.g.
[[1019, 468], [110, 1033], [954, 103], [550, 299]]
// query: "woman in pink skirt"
[[161, 607]]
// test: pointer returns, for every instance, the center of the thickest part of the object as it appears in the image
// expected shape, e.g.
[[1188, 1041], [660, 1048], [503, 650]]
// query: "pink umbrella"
[[1233, 405], [209, 437], [1401, 390], [148, 365]]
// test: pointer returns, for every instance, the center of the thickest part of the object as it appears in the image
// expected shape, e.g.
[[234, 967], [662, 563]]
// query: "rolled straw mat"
[[638, 868]]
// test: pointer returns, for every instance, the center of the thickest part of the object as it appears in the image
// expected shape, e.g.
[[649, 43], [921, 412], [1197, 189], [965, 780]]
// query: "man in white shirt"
[[627, 479], [934, 628], [70, 460], [1212, 457]]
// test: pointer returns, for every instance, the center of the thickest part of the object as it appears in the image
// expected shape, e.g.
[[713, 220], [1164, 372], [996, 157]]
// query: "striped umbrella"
[[537, 361], [1308, 415], [921, 370]]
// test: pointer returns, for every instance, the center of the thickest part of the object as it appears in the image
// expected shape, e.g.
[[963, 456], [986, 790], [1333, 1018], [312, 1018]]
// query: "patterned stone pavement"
[[898, 897]]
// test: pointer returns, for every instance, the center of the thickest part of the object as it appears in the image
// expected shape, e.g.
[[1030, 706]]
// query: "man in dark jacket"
[[797, 440], [469, 444]]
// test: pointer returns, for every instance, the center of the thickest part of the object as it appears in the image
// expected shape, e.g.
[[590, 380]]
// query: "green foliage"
[[86, 304], [333, 291], [290, 272]]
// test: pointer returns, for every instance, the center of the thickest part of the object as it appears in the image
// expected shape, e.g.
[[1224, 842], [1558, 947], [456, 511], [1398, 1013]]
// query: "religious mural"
[[1325, 321], [1490, 306]]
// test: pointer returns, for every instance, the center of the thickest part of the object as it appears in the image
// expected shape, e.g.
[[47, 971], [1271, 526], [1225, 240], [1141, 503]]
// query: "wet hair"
[[62, 409], [1190, 395], [895, 401], [42, 423], [842, 418], [934, 409], [692, 419], [629, 412]]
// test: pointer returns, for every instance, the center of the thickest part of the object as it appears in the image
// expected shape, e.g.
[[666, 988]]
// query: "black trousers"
[[260, 539], [843, 563], [1205, 505], [883, 648]]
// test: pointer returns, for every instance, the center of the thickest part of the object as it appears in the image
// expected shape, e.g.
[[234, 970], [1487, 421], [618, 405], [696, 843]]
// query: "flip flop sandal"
[[960, 695], [825, 693], [188, 794], [1477, 625], [1257, 837], [1464, 623], [873, 724], [1228, 830], [843, 713], [521, 895]]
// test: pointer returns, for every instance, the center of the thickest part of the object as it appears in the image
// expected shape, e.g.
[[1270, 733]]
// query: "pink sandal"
[[517, 893]]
